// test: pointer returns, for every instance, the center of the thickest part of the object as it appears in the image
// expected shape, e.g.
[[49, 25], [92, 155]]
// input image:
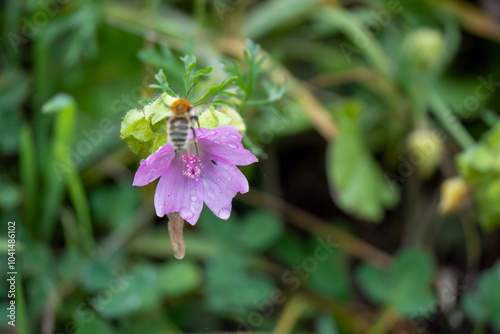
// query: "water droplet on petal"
[[142, 161], [217, 141], [223, 136], [186, 213], [224, 213], [233, 136], [232, 145], [194, 198]]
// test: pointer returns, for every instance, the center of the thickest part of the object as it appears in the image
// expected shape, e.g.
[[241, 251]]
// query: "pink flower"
[[186, 181]]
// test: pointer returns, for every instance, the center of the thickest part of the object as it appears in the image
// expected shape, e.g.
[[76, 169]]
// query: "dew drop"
[[233, 136], [232, 145], [223, 136], [186, 213], [194, 198], [224, 213], [217, 141], [142, 161]]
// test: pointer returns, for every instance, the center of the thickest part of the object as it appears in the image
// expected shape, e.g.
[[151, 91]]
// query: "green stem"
[[449, 121]]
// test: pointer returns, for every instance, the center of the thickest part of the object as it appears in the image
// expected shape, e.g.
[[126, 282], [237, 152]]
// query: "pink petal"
[[221, 182], [178, 193], [154, 166], [224, 143]]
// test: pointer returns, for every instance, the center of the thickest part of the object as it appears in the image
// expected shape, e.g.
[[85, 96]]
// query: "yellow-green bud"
[[159, 110], [455, 193], [424, 48], [426, 149], [226, 116], [213, 118]]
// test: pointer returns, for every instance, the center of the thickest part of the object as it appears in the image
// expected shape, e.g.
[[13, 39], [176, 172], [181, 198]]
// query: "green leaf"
[[96, 275], [406, 287], [179, 278], [357, 182], [231, 289], [136, 125], [163, 84], [159, 109], [326, 324], [58, 103], [133, 291], [96, 326], [261, 229], [331, 277], [269, 15], [226, 83], [482, 304], [136, 131], [480, 167], [160, 140]]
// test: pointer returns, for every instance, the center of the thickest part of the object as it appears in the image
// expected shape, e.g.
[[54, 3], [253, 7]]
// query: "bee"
[[181, 122]]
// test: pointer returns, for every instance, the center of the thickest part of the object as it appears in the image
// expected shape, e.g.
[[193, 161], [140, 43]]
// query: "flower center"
[[192, 165]]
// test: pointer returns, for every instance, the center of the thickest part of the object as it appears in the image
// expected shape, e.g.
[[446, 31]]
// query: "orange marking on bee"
[[180, 106]]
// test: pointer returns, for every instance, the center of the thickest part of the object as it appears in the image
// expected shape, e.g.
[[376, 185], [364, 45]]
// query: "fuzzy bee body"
[[180, 123], [178, 132]]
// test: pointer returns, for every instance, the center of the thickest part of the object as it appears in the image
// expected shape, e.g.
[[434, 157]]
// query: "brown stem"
[[307, 221], [175, 225]]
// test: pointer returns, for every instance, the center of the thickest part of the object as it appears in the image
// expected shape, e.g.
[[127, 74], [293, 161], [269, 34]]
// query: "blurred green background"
[[374, 207]]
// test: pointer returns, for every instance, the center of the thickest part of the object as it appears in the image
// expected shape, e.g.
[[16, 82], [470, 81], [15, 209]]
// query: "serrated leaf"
[[216, 89], [357, 182]]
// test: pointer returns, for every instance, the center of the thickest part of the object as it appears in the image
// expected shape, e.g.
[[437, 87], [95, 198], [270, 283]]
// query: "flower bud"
[[454, 195], [426, 149], [424, 48], [226, 116], [212, 118], [237, 120]]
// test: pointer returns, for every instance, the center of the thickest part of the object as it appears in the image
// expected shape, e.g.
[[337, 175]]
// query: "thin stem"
[[449, 121], [290, 315], [308, 222], [385, 320]]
